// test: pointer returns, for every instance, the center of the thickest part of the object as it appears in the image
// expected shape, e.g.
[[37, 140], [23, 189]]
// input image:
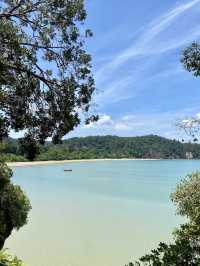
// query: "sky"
[[142, 88]]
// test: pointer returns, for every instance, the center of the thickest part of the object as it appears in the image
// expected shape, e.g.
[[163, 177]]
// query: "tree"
[[191, 59], [185, 251], [46, 84], [191, 62], [14, 205], [45, 73]]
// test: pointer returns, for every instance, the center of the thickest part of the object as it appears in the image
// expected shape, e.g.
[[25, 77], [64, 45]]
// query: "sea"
[[102, 213]]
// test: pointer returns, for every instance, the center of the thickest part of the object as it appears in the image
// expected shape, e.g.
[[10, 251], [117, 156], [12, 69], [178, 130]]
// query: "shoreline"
[[22, 164]]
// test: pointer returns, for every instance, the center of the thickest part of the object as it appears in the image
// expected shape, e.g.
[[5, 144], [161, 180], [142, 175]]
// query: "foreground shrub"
[[8, 260], [14, 205]]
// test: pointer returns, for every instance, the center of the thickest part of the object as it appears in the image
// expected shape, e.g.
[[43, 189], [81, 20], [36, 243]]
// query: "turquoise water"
[[100, 214]]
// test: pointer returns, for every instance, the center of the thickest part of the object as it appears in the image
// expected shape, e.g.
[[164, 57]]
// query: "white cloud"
[[134, 124], [124, 123], [122, 126], [145, 43], [114, 91], [191, 123], [104, 120], [131, 125], [128, 117], [128, 122], [149, 44]]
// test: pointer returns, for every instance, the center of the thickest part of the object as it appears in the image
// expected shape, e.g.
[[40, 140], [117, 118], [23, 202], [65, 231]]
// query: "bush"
[[9, 157], [8, 260], [14, 205]]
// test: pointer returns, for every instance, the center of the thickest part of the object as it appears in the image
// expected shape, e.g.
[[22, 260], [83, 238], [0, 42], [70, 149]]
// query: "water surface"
[[101, 214]]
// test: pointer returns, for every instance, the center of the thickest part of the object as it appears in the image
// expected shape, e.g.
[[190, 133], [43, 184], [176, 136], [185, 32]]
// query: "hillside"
[[93, 147]]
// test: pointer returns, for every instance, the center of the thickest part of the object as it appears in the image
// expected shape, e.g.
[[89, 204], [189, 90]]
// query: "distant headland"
[[106, 147]]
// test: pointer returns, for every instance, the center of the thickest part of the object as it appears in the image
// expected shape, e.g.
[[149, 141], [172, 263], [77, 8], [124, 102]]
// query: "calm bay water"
[[100, 214]]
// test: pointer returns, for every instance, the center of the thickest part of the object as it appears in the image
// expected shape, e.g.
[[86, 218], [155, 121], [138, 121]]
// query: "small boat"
[[67, 170]]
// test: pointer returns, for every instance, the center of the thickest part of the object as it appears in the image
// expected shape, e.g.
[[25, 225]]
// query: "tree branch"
[[47, 82], [20, 14], [15, 7], [42, 46]]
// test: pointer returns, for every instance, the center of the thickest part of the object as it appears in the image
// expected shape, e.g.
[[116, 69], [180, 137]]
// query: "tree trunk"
[[2, 242]]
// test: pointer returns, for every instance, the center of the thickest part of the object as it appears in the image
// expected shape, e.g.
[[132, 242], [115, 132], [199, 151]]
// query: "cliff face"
[[189, 155]]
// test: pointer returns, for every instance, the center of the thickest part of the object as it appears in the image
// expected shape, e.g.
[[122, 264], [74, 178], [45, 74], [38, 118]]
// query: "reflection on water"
[[102, 213]]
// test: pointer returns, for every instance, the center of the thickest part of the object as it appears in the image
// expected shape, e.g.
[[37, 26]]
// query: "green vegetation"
[[45, 80], [14, 205], [46, 85], [108, 147], [191, 62], [8, 260], [45, 72], [185, 251], [10, 157]]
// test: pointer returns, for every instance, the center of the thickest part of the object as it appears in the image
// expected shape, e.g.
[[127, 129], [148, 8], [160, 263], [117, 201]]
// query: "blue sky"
[[136, 50], [142, 87]]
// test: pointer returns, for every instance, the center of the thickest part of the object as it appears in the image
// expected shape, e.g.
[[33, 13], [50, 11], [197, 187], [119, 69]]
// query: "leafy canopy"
[[8, 260], [45, 84], [191, 62], [45, 73]]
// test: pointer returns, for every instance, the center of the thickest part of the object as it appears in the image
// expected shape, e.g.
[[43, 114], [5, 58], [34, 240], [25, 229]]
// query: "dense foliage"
[[46, 86], [191, 62], [8, 260], [14, 205], [191, 59], [185, 251], [119, 147], [45, 73], [108, 147]]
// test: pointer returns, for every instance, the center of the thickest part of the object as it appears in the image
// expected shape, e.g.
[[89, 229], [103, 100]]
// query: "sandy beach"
[[23, 164]]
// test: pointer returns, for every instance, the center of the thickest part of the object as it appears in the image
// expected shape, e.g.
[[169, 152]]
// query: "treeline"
[[97, 147]]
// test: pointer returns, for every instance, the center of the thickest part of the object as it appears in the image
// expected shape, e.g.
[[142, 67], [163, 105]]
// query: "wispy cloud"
[[146, 80], [143, 44], [135, 83], [115, 90]]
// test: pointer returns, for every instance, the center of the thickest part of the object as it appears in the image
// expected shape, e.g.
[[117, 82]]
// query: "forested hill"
[[109, 147]]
